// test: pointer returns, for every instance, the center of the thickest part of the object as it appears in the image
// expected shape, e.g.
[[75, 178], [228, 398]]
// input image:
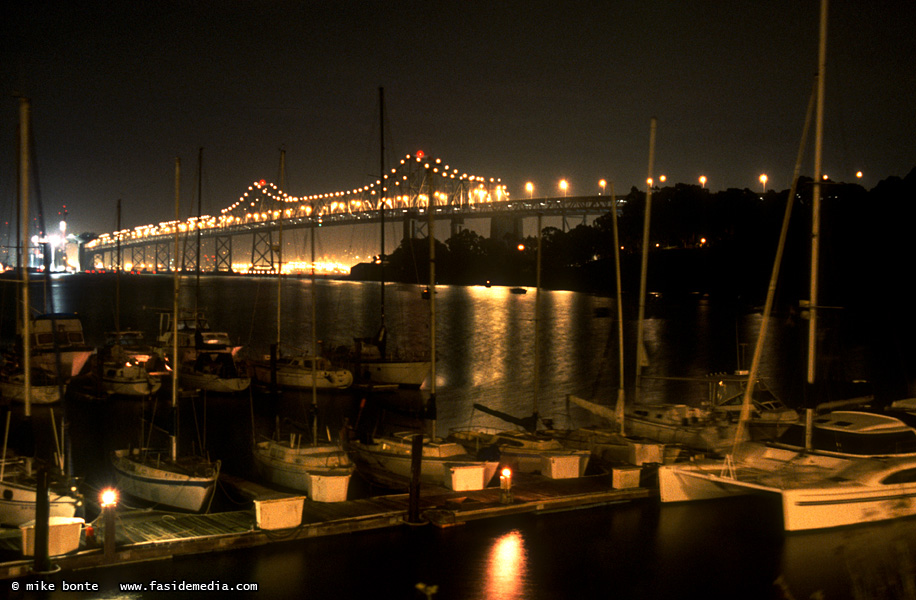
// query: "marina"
[[368, 521], [155, 535]]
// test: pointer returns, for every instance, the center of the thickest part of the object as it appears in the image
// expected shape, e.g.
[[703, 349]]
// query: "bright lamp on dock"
[[109, 497], [505, 486]]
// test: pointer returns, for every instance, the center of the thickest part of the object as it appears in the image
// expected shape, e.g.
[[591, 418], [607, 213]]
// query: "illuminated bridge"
[[259, 216]]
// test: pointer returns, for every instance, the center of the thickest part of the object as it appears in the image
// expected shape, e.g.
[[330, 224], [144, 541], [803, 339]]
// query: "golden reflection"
[[507, 567]]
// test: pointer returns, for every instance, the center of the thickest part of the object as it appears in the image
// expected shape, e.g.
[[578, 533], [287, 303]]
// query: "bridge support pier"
[[163, 256], [223, 254], [262, 252], [506, 226], [456, 224]]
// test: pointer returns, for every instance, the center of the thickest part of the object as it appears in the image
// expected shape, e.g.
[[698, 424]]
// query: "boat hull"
[[143, 476], [834, 494], [213, 383], [17, 504], [323, 472], [41, 394], [408, 374], [302, 379], [389, 464]]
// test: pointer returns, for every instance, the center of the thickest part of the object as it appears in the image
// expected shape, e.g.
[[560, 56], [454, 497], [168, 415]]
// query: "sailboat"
[[18, 482], [320, 469], [845, 467], [527, 450], [372, 362], [57, 347], [387, 460], [124, 362], [186, 482]]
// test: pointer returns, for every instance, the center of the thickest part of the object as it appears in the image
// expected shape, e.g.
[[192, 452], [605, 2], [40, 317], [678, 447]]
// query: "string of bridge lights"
[[343, 202], [340, 202]]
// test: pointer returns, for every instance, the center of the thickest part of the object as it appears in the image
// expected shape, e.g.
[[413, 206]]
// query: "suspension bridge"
[[256, 221]]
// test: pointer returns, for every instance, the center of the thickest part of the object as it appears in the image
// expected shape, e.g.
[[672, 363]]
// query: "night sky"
[[516, 90]]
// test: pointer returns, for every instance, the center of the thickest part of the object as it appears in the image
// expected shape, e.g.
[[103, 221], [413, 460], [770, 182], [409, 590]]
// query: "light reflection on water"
[[507, 567]]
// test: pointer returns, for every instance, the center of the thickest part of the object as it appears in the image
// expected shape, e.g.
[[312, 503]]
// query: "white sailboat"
[[386, 460], [124, 361], [371, 360], [320, 469], [845, 467], [18, 483], [162, 476], [301, 372], [208, 360]]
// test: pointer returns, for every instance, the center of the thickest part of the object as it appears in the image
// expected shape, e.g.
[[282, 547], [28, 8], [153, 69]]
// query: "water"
[[486, 351]]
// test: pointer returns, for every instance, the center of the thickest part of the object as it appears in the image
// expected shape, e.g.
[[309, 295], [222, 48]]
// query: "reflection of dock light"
[[505, 486]]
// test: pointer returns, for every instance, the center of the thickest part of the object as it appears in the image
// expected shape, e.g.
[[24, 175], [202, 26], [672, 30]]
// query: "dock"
[[144, 535]]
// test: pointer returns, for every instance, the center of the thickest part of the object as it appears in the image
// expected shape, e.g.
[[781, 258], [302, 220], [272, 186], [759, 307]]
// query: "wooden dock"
[[143, 535]]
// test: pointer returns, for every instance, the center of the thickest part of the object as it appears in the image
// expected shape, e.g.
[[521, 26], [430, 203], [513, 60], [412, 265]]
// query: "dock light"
[[505, 486], [109, 497]]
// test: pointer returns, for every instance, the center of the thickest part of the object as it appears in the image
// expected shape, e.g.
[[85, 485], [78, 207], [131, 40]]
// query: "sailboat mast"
[[742, 430], [640, 352], [175, 295], [620, 345], [537, 322], [200, 162], [381, 177], [24, 116], [280, 245], [430, 210], [816, 196], [314, 346], [118, 278]]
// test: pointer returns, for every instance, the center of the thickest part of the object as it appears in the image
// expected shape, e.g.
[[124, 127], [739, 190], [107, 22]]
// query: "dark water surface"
[[486, 352]]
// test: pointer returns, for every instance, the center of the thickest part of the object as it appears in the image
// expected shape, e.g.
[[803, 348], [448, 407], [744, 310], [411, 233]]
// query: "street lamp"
[[662, 178], [763, 181], [602, 184], [529, 187], [564, 185], [703, 180]]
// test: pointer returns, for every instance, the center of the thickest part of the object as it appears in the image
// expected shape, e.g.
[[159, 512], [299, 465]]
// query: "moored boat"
[[128, 377], [186, 482], [860, 468], [525, 451], [18, 493], [386, 461], [301, 371], [322, 471]]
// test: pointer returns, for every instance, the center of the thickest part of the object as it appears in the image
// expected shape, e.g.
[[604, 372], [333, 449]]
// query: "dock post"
[[416, 457], [42, 562], [108, 513]]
